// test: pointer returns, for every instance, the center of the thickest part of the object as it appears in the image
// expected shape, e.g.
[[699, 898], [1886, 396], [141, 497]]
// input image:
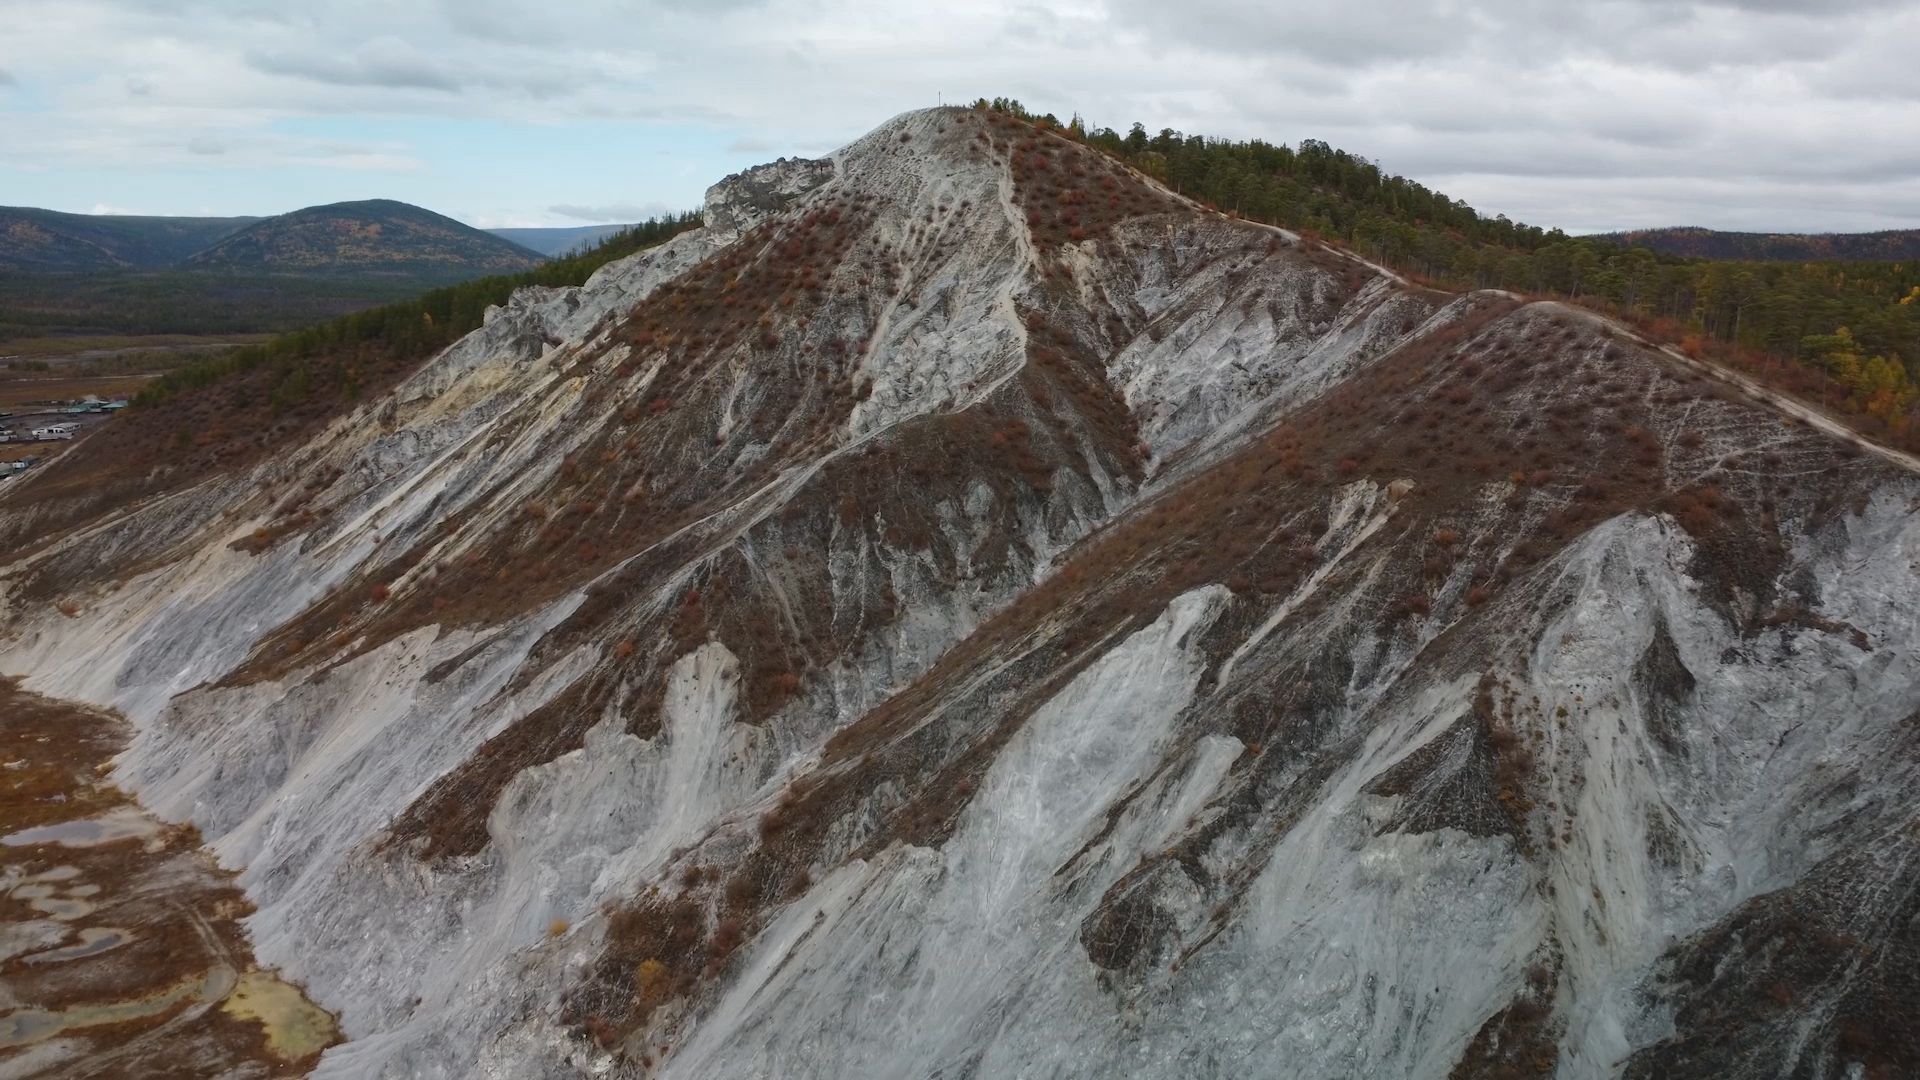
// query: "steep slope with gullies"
[[966, 611]]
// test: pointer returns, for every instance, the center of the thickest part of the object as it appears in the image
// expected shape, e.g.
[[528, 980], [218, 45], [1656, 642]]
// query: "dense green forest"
[[321, 359], [1845, 333]]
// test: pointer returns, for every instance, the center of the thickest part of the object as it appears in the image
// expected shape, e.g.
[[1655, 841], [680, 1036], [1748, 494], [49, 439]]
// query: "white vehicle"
[[54, 431]]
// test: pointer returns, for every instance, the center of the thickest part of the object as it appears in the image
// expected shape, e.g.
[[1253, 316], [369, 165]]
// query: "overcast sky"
[[1752, 114]]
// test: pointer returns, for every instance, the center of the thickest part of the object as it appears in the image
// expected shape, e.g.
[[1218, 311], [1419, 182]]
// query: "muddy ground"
[[122, 952]]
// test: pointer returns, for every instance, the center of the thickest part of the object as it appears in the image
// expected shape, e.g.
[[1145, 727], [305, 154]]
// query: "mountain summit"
[[371, 235], [377, 235], [969, 611]]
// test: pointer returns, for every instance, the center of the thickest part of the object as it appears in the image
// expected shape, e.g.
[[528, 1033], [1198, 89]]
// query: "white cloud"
[[1606, 113]]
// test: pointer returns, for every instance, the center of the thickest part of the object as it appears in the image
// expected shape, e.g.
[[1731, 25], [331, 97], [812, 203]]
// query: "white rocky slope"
[[923, 625]]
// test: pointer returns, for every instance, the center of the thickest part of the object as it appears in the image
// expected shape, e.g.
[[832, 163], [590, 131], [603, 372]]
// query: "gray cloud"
[[387, 64], [6, 77], [1346, 34], [1608, 113]]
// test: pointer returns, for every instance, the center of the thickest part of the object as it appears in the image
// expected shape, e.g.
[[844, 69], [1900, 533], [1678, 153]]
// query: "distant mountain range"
[[553, 242], [373, 235], [80, 275], [1891, 246], [32, 239]]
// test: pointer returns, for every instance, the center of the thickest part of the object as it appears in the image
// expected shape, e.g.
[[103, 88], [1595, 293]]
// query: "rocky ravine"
[[967, 612]]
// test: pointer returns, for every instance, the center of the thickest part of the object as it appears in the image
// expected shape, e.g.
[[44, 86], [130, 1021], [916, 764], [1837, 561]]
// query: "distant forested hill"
[[374, 234], [35, 240], [80, 275], [1694, 243]]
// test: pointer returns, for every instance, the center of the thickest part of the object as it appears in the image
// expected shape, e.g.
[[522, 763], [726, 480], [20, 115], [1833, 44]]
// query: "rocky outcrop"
[[966, 611]]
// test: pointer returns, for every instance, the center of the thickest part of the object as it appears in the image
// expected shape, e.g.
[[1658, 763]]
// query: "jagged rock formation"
[[968, 612]]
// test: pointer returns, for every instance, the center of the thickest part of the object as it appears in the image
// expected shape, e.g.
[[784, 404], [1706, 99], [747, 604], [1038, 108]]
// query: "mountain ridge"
[[1696, 242], [366, 235], [967, 609], [48, 241], [32, 239]]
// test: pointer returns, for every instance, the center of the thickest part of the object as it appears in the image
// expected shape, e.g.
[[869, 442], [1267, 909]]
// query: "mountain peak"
[[968, 609], [368, 234]]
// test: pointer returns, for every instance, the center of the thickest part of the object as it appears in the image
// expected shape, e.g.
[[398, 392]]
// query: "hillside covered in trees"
[[1890, 245], [1844, 333]]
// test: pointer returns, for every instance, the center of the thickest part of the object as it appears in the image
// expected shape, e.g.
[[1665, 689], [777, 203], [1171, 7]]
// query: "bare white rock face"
[[1227, 828]]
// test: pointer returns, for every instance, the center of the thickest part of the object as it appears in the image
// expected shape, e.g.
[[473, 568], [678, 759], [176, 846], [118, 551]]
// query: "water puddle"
[[26, 1026], [58, 873], [64, 908], [87, 832], [94, 940], [295, 1027], [19, 938]]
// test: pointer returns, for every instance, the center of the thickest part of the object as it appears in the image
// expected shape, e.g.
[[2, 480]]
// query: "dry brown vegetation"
[[1503, 392], [1503, 437]]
